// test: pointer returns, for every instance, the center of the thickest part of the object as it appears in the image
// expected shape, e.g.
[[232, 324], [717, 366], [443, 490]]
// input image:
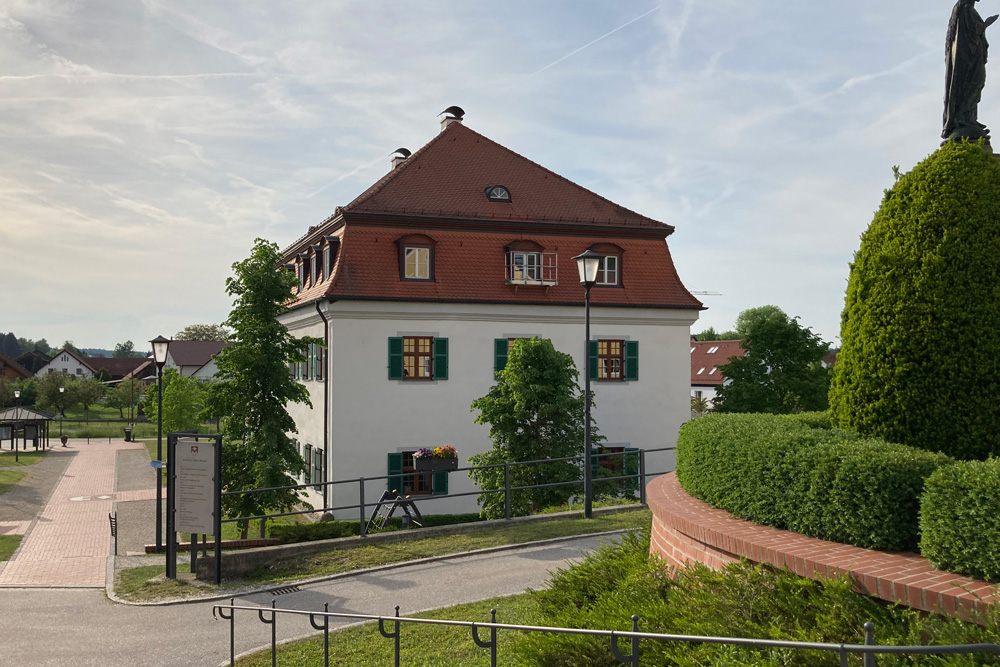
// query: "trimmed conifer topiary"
[[920, 331]]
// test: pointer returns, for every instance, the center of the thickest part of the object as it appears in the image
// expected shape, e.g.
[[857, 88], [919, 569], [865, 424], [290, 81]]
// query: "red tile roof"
[[194, 352], [440, 191], [117, 367], [707, 358], [448, 177]]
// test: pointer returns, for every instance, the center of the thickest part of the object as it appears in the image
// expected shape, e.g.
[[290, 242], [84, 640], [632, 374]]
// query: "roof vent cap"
[[399, 155], [453, 114]]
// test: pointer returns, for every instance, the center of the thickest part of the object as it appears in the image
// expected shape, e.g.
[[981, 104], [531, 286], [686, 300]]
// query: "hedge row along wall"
[[780, 471]]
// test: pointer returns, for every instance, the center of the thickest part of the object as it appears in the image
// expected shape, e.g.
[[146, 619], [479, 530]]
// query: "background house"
[[707, 359], [11, 370], [69, 363], [419, 284], [33, 361], [193, 358]]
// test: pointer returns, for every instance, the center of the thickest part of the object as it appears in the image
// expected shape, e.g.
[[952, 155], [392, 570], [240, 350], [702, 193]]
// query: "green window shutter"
[[441, 360], [307, 457], [439, 483], [631, 360], [395, 472], [501, 347], [593, 359], [396, 363], [310, 361]]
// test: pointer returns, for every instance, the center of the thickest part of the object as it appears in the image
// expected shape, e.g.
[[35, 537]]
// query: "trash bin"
[[128, 435]]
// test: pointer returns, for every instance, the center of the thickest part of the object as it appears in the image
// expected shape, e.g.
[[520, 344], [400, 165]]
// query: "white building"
[[194, 358], [67, 362], [707, 359], [418, 285]]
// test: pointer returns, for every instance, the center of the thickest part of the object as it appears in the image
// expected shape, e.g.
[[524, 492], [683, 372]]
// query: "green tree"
[[6, 392], [49, 396], [124, 395], [126, 350], [920, 330], [781, 371], [751, 317], [68, 345], [253, 387], [711, 334], [204, 332], [535, 411], [9, 346], [87, 393], [29, 390], [699, 406], [183, 401]]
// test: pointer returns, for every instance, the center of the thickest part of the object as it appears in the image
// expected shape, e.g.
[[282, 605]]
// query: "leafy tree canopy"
[[204, 332], [183, 401], [920, 329], [781, 371], [535, 411], [9, 346], [253, 386], [50, 398], [68, 345], [711, 334], [126, 350]]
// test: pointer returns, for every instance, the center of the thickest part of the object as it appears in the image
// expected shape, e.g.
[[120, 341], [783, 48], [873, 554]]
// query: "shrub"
[[920, 328], [328, 530], [960, 519], [742, 600], [777, 471]]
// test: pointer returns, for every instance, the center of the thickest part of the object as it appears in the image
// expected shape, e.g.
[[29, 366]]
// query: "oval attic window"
[[498, 193]]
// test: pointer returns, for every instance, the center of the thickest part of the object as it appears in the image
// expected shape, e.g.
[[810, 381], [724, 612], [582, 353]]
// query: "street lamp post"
[[160, 345], [17, 413], [587, 264]]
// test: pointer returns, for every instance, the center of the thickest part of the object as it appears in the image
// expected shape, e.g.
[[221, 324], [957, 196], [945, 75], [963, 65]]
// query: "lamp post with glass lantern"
[[17, 414], [587, 264], [160, 345]]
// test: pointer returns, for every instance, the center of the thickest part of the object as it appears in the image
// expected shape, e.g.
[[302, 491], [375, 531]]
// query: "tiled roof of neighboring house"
[[448, 178], [440, 191], [13, 365], [117, 367], [33, 360], [831, 358], [707, 358], [146, 369], [194, 352]]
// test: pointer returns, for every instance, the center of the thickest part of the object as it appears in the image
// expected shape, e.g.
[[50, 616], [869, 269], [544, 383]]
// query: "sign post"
[[194, 487]]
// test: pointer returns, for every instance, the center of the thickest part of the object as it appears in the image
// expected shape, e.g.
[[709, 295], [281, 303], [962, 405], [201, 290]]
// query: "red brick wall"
[[685, 529]]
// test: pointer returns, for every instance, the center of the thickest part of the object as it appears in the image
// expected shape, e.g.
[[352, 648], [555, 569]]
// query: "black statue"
[[965, 61]]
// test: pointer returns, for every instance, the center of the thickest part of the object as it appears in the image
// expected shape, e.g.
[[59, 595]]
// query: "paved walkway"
[[83, 628], [70, 541]]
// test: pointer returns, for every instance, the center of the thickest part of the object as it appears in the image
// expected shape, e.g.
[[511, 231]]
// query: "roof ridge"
[[566, 180]]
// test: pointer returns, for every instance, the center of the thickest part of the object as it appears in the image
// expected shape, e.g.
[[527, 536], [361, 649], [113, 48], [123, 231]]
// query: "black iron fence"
[[633, 477], [320, 620]]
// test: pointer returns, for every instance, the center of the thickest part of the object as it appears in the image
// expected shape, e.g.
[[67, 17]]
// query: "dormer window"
[[416, 257], [498, 193], [527, 265], [609, 273]]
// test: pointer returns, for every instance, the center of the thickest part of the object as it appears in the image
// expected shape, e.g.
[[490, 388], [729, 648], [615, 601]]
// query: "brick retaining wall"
[[686, 529]]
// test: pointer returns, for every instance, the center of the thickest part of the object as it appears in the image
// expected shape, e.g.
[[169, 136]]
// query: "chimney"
[[451, 115], [398, 156]]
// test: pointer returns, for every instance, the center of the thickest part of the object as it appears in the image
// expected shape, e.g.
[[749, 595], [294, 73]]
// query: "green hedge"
[[781, 472], [960, 519]]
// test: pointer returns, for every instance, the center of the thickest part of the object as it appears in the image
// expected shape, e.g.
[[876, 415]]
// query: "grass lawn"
[[8, 478], [8, 544], [419, 645], [132, 587], [27, 458]]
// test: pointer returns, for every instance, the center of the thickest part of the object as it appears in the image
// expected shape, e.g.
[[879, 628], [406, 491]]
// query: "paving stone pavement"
[[70, 542]]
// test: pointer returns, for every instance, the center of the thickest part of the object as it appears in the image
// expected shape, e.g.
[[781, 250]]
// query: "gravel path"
[[28, 497]]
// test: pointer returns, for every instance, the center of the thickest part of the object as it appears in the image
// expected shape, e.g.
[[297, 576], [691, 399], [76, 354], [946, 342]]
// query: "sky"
[[145, 144]]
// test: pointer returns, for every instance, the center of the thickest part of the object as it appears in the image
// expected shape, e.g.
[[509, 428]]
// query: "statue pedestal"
[[972, 134]]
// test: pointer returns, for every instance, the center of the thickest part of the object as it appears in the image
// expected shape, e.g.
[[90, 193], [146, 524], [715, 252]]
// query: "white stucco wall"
[[206, 372], [66, 363], [371, 415], [707, 392]]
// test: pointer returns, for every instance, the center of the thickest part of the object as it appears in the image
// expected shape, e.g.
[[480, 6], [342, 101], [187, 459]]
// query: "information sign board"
[[195, 486], [6, 433], [31, 431]]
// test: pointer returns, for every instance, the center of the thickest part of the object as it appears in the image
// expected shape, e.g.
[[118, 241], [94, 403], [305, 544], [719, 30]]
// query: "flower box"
[[435, 464]]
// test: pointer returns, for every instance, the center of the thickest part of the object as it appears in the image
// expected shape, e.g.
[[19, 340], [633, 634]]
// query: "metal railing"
[[320, 620], [639, 476]]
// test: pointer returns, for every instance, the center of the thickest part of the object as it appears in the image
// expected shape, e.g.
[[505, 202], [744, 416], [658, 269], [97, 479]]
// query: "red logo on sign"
[[194, 449]]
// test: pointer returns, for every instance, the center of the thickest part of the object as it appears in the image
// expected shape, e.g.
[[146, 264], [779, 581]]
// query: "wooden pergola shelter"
[[32, 424]]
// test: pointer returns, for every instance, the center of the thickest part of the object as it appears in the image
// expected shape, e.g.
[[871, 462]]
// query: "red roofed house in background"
[[419, 284], [707, 359]]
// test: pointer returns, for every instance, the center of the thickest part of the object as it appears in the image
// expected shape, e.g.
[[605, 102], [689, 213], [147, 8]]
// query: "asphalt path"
[[83, 628]]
